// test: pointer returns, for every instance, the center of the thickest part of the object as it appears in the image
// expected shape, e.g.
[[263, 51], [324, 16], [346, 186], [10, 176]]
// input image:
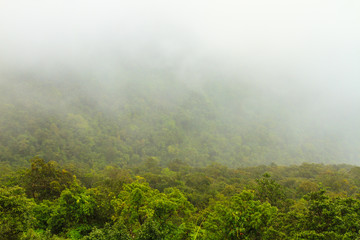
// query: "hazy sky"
[[313, 44]]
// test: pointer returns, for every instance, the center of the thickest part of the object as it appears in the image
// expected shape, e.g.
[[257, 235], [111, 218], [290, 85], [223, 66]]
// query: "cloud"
[[306, 49]]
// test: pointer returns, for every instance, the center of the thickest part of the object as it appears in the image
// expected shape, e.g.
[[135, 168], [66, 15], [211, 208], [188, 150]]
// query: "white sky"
[[316, 41]]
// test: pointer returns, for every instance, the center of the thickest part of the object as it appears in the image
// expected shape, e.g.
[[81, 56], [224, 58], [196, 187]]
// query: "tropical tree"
[[15, 212], [241, 217]]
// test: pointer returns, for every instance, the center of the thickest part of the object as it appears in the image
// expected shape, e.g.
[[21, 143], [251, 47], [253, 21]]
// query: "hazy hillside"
[[73, 119], [238, 83]]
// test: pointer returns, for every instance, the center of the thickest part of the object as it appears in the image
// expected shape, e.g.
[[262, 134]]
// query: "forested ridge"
[[157, 159], [92, 124]]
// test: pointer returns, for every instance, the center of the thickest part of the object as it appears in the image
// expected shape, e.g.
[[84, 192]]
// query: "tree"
[[46, 180], [241, 217], [76, 212], [15, 212], [149, 214], [268, 190], [318, 216]]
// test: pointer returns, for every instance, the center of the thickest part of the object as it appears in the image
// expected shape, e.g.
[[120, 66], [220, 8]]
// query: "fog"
[[304, 52]]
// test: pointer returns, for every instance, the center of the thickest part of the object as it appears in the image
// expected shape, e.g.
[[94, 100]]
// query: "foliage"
[[147, 212], [242, 217], [115, 232], [182, 202], [45, 180], [268, 190], [74, 212], [139, 120], [15, 212]]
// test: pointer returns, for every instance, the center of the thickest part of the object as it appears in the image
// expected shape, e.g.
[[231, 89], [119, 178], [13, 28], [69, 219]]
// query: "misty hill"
[[85, 121]]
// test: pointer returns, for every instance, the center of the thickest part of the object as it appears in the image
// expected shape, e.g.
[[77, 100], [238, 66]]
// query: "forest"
[[151, 163], [154, 114], [179, 120], [178, 201]]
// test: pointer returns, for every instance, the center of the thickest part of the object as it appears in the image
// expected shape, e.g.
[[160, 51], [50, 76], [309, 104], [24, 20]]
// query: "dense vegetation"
[[310, 201], [93, 125], [156, 159]]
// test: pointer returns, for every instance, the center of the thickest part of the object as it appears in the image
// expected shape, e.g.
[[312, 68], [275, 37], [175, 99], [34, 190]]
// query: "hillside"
[[84, 121]]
